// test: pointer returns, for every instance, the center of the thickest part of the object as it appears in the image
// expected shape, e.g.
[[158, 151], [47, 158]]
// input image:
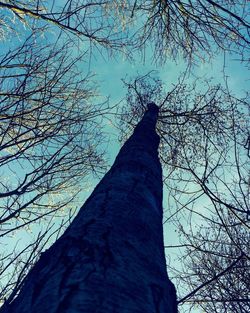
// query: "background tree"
[[205, 150], [217, 259], [89, 21], [56, 142], [49, 139], [193, 29]]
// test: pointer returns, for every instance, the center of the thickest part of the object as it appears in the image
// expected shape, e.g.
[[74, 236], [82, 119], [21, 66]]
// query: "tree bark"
[[111, 258]]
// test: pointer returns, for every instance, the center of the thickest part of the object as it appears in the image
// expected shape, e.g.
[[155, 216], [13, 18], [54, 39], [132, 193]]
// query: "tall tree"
[[205, 153], [111, 258]]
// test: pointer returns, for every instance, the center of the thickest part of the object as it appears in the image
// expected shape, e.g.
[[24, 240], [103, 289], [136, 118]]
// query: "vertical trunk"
[[111, 258]]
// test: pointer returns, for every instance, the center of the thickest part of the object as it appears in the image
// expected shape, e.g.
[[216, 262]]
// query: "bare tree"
[[90, 21], [50, 137], [101, 262], [48, 129], [216, 265], [205, 150], [193, 29]]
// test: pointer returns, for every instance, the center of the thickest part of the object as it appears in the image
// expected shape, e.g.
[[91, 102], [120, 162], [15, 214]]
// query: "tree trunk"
[[111, 258]]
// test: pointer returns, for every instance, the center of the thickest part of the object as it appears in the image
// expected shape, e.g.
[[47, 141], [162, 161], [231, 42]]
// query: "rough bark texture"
[[111, 258]]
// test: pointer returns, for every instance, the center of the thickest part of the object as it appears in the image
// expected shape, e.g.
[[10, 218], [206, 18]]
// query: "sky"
[[109, 74]]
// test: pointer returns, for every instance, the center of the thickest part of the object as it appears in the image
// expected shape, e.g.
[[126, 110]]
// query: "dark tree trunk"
[[111, 258]]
